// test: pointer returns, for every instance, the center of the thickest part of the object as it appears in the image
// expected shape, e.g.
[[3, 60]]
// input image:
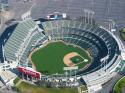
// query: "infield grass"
[[77, 59]]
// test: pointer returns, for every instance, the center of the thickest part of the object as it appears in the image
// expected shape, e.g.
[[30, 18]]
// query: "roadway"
[[108, 87]]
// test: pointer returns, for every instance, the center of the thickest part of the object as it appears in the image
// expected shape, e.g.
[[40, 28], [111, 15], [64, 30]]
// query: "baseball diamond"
[[52, 58], [77, 59]]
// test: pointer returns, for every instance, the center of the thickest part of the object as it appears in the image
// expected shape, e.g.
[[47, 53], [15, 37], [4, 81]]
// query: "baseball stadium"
[[62, 52], [68, 43], [60, 44]]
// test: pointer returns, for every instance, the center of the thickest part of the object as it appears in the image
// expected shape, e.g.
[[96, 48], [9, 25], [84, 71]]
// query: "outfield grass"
[[24, 87], [118, 87], [16, 80], [122, 32], [49, 59]]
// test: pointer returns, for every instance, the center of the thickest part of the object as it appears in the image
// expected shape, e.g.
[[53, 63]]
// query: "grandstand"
[[21, 41]]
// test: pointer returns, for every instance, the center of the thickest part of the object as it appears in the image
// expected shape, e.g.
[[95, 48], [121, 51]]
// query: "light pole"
[[89, 16], [111, 25]]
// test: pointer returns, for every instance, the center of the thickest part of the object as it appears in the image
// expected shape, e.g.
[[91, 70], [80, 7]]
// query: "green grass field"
[[16, 80], [24, 87], [122, 33], [77, 59], [118, 87], [49, 59]]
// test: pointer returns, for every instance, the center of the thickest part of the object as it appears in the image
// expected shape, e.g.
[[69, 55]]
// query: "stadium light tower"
[[89, 16], [112, 25], [92, 4], [68, 7], [111, 22], [26, 15]]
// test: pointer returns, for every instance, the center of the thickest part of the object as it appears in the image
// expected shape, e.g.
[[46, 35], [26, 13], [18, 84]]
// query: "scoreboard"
[[30, 72]]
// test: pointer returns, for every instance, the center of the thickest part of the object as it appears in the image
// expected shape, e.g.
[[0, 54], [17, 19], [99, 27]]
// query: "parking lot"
[[105, 10]]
